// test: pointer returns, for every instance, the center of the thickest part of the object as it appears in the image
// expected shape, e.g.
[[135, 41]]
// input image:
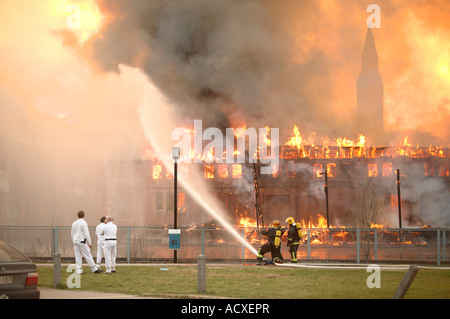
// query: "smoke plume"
[[271, 62]]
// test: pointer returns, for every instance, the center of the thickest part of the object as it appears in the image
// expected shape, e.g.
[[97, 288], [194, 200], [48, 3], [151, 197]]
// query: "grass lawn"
[[252, 282]]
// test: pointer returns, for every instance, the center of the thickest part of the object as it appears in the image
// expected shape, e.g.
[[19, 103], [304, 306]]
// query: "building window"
[[209, 171], [181, 203], [223, 171], [387, 169], [169, 201], [156, 171], [444, 170], [317, 170], [331, 169], [159, 202], [237, 170], [372, 170], [429, 169]]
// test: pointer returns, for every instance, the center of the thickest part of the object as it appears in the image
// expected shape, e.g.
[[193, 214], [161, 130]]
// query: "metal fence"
[[151, 244]]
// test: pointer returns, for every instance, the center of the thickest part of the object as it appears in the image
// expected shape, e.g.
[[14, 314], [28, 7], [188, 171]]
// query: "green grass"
[[180, 281]]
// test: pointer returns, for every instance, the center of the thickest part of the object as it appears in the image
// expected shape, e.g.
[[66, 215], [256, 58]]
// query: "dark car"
[[18, 275]]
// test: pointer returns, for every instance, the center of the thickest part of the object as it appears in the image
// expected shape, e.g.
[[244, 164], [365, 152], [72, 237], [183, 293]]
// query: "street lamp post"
[[175, 156], [397, 172]]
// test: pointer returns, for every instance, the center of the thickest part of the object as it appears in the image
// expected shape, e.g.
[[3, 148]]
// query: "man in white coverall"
[[82, 244], [110, 234], [100, 240]]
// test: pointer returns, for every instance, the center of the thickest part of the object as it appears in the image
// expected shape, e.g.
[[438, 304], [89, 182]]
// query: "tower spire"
[[370, 98], [369, 58]]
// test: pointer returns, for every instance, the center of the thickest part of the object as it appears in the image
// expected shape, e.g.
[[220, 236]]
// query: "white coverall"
[[110, 233], [81, 242]]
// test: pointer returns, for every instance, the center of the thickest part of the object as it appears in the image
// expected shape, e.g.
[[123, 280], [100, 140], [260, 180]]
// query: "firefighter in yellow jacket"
[[294, 236], [273, 245]]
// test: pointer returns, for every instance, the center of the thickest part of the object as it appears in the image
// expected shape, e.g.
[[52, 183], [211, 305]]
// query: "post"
[[357, 245], [325, 188], [56, 269], [201, 273], [438, 245], [55, 239], [203, 240], [175, 156], [444, 241], [128, 244], [309, 244], [175, 205], [375, 244], [397, 172], [406, 282]]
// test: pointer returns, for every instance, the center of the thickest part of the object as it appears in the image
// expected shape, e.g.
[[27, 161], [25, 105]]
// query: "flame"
[[236, 170], [209, 171], [157, 171], [299, 146], [296, 140], [247, 222]]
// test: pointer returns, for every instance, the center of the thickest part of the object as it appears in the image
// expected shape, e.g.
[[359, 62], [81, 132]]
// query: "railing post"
[[201, 273], [357, 245], [438, 253], [309, 244], [55, 239], [375, 244], [203, 240], [444, 241], [56, 269], [128, 244]]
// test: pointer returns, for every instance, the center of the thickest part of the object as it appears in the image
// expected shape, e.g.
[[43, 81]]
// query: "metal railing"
[[151, 244]]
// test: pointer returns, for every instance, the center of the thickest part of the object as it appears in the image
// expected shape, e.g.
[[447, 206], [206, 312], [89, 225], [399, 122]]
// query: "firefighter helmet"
[[290, 220], [276, 223]]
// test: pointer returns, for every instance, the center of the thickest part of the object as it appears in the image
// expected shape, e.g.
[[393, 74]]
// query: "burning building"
[[297, 188]]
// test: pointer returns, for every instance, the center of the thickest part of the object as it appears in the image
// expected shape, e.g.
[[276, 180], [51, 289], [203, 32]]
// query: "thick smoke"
[[224, 62], [275, 62], [429, 197]]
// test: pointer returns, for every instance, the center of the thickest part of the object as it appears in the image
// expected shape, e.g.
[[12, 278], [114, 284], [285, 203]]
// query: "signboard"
[[174, 238]]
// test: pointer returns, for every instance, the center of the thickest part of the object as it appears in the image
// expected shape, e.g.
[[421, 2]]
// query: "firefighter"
[[294, 236], [273, 244]]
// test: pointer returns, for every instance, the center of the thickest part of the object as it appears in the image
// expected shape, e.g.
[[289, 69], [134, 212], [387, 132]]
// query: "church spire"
[[370, 117], [369, 58]]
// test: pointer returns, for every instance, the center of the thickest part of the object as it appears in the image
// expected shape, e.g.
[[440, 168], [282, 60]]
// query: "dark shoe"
[[98, 271]]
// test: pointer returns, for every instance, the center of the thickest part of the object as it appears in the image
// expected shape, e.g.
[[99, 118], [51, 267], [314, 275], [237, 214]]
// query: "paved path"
[[48, 293]]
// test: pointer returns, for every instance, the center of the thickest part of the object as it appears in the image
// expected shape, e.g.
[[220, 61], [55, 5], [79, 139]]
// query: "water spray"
[[153, 97]]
